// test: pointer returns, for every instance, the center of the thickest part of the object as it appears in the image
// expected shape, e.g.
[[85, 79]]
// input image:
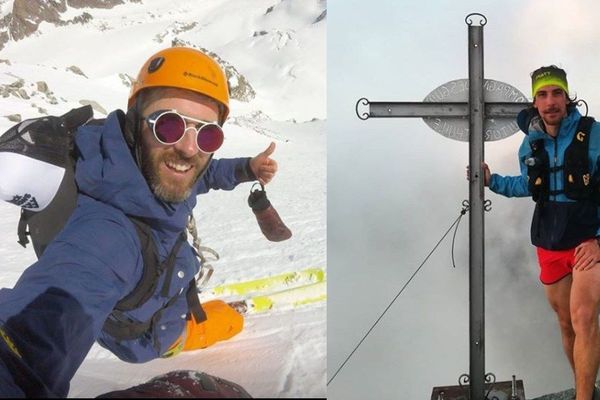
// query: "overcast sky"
[[395, 186]]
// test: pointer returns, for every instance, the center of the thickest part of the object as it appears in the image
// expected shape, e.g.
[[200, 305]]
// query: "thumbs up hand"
[[263, 166]]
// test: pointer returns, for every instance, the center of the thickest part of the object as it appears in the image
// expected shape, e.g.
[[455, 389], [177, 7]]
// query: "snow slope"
[[281, 54]]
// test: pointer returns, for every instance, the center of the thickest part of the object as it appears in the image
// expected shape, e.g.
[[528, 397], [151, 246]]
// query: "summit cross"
[[474, 110]]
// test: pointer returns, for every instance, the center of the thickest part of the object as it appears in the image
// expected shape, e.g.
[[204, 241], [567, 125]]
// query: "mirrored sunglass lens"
[[169, 128], [210, 138]]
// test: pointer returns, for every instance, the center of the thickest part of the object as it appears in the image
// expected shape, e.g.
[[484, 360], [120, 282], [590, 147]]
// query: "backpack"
[[577, 180], [44, 147]]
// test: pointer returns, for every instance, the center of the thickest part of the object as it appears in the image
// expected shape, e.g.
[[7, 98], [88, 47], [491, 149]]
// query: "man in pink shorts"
[[560, 160]]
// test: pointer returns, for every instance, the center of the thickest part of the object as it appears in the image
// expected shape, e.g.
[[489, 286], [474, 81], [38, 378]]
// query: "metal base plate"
[[500, 391]]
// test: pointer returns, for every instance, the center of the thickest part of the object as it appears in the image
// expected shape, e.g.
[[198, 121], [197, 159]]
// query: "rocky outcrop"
[[239, 87], [565, 395], [42, 87], [36, 93], [76, 70], [14, 117], [97, 3], [15, 89], [27, 15], [21, 90]]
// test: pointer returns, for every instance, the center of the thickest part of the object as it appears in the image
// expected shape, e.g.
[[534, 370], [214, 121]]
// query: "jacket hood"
[[531, 123], [106, 171]]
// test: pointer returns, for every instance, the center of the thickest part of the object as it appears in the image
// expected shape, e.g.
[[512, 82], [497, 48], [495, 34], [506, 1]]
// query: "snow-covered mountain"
[[57, 55], [273, 51]]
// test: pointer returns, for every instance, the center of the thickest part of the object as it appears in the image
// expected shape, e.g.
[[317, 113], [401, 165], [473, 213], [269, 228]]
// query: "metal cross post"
[[488, 114]]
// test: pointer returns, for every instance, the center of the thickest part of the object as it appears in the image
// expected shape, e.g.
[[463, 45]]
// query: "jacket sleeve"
[[513, 186], [50, 319], [225, 174]]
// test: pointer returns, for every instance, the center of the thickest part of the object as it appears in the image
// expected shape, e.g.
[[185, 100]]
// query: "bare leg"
[[558, 295], [585, 299]]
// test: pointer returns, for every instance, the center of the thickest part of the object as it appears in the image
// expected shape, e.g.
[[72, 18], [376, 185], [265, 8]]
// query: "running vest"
[[47, 200], [578, 183]]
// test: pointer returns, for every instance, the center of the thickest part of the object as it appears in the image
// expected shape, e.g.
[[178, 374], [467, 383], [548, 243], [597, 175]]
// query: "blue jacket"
[[516, 186], [55, 312]]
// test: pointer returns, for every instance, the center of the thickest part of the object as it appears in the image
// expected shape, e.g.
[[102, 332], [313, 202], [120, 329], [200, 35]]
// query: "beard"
[[553, 116], [165, 189]]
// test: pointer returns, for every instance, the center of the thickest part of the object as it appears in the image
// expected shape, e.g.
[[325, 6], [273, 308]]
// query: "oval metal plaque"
[[457, 128]]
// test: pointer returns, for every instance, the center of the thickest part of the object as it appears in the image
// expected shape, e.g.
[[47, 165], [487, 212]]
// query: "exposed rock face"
[[19, 90], [76, 70], [14, 117], [14, 89], [565, 395], [42, 87], [27, 15], [94, 3]]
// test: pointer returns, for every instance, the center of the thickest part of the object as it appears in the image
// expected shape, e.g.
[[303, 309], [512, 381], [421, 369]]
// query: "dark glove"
[[268, 219]]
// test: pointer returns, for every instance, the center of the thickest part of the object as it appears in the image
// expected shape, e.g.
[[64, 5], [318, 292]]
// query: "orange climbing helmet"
[[184, 68]]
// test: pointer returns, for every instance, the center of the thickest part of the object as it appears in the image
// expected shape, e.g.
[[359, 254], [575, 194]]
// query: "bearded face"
[[170, 174], [551, 102], [172, 170]]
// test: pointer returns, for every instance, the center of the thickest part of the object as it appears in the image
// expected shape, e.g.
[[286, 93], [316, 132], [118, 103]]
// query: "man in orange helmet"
[[121, 272]]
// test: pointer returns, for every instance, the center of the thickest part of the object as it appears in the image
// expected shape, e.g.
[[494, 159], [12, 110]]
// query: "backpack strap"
[[538, 171], [193, 301], [577, 177], [118, 325], [151, 270]]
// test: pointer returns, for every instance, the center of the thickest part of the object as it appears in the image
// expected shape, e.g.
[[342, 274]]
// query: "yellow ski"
[[290, 298], [274, 282]]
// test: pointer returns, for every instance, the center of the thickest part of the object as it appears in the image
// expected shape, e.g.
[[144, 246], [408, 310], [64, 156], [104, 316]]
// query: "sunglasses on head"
[[169, 127]]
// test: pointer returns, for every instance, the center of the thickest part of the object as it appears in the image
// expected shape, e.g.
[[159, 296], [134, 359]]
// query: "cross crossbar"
[[408, 109]]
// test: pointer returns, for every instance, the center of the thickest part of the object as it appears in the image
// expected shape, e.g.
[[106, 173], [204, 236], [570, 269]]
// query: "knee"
[[566, 325], [584, 318], [565, 322], [562, 312]]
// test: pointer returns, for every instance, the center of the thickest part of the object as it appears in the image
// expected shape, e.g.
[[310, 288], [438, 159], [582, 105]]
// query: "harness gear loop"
[[206, 270]]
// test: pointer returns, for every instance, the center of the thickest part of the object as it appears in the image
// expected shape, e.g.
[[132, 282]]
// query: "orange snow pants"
[[222, 323]]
